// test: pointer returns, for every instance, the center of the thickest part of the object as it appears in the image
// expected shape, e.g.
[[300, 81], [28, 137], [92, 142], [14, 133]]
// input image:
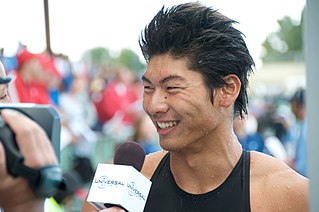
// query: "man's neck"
[[205, 170]]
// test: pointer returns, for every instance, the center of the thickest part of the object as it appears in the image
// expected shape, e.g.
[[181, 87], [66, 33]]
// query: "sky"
[[79, 25]]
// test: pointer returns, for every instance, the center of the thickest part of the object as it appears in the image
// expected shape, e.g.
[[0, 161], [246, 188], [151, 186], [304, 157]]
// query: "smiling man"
[[195, 86]]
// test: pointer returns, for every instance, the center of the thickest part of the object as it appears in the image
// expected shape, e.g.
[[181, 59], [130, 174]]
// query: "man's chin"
[[169, 145]]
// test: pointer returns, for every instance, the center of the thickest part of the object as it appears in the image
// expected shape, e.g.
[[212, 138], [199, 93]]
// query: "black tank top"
[[231, 196]]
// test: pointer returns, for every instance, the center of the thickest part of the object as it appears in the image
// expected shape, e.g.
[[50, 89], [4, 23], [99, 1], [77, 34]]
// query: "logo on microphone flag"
[[120, 185]]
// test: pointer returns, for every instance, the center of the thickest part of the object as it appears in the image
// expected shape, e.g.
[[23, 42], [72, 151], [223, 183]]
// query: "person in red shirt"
[[27, 86], [119, 98]]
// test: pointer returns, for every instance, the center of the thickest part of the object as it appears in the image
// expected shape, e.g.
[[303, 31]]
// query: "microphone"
[[121, 184], [130, 153]]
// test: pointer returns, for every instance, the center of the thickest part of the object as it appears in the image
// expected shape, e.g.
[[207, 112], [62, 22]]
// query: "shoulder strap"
[[157, 171], [246, 179]]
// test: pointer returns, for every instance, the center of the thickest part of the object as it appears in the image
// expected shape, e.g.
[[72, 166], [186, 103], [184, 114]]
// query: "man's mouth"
[[166, 125]]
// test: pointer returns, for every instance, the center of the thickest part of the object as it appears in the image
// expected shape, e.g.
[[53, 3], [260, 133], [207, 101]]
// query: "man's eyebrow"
[[170, 78], [166, 79], [145, 79]]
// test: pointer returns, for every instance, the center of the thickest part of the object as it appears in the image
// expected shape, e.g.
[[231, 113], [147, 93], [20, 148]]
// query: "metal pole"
[[47, 26], [312, 97]]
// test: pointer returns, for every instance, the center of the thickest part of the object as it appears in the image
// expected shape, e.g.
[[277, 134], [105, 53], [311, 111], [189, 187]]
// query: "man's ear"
[[230, 91]]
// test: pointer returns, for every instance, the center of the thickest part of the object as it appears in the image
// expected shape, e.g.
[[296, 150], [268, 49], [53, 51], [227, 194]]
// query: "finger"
[[31, 139], [18, 122], [37, 146]]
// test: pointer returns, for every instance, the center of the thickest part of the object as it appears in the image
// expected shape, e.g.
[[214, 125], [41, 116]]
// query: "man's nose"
[[157, 103]]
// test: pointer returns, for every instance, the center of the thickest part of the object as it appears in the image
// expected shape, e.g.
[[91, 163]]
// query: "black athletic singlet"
[[231, 196]]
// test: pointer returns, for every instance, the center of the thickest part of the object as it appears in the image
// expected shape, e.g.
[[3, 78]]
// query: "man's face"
[[178, 102], [4, 96]]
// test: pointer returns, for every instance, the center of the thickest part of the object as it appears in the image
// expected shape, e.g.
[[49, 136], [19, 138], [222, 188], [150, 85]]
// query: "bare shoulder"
[[275, 186], [151, 162]]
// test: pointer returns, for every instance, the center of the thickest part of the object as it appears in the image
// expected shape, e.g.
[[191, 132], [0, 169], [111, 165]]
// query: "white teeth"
[[165, 125]]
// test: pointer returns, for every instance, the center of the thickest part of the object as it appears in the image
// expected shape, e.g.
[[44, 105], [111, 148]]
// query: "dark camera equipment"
[[45, 181]]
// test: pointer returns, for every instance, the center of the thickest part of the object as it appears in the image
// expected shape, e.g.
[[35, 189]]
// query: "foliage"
[[129, 59], [286, 44], [97, 57]]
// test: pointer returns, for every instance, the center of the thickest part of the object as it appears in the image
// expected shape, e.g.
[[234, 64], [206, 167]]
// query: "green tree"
[[286, 44], [131, 60], [98, 57], [95, 57]]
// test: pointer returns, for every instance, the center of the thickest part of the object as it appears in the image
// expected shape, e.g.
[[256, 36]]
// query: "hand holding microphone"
[[121, 184]]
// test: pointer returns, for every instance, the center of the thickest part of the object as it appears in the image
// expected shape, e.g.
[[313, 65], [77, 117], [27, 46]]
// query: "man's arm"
[[276, 187]]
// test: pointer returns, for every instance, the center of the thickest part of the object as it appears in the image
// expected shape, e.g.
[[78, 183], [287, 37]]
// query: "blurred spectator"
[[28, 85], [73, 107], [77, 142], [297, 133], [97, 86], [145, 134], [51, 77], [118, 97], [273, 124], [119, 105], [65, 68], [246, 131]]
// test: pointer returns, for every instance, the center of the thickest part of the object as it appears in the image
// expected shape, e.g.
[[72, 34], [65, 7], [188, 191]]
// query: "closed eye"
[[172, 88], [148, 88]]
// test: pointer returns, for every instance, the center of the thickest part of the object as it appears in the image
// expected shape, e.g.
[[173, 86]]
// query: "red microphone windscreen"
[[130, 153]]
